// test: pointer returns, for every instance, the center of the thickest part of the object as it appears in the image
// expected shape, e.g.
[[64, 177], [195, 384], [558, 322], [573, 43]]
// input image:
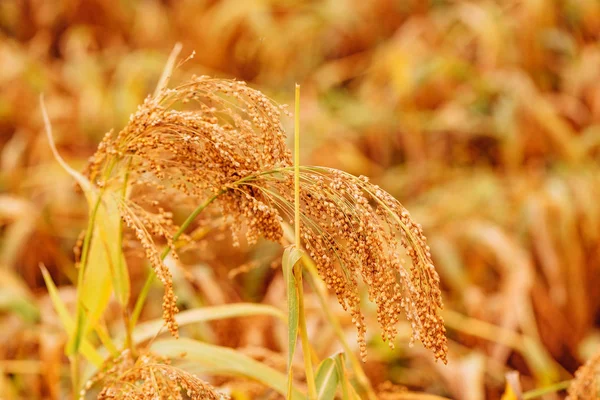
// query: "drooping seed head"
[[231, 144], [586, 385], [148, 377]]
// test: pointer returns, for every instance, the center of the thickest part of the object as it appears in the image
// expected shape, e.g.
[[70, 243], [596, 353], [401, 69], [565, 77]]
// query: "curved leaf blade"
[[220, 360], [327, 379], [86, 349], [291, 256], [150, 329]]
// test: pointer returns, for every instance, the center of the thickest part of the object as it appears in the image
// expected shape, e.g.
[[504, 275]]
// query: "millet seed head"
[[231, 145], [148, 377], [586, 385]]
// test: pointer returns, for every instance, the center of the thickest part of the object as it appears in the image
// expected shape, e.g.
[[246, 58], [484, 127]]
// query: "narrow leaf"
[[77, 335], [87, 350], [97, 299], [168, 70], [109, 229], [105, 270], [348, 391], [148, 330], [291, 256], [96, 287], [217, 360], [341, 372]]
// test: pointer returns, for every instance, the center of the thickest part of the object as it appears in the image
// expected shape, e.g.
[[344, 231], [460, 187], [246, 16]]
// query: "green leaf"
[[327, 378], [76, 336], [109, 229], [348, 392], [149, 330], [341, 372], [291, 256], [104, 270], [216, 360], [88, 351], [96, 285]]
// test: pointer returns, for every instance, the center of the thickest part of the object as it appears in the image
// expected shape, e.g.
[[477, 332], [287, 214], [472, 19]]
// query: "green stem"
[[126, 315], [90, 230], [80, 275], [308, 368], [297, 169], [306, 352], [315, 283], [128, 332], [85, 249], [532, 394], [75, 375], [139, 304]]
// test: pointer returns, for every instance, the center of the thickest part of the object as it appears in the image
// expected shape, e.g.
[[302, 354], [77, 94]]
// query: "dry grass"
[[480, 117]]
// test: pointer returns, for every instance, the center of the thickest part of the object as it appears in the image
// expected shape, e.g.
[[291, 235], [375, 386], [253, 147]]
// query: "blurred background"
[[481, 117]]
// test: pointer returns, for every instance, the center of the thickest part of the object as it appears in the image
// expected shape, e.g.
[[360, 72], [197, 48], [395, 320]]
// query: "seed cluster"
[[586, 385], [233, 131], [354, 230], [188, 154], [146, 226], [149, 377], [232, 146]]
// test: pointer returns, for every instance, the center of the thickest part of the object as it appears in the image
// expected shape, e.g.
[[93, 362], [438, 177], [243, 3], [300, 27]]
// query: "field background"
[[481, 117]]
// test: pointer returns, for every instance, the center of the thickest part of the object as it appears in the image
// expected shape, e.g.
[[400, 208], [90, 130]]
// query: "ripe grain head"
[[149, 377], [586, 385], [231, 146]]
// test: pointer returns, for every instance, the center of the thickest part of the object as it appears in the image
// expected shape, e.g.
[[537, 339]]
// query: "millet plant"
[[218, 147]]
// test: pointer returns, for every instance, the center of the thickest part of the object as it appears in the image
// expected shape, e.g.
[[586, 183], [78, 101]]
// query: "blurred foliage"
[[482, 117]]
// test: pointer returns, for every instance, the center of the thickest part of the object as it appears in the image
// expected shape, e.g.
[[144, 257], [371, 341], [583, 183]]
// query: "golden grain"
[[586, 385], [232, 146], [149, 377]]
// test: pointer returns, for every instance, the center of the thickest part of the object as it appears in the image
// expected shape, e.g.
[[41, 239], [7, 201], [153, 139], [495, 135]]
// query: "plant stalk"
[[297, 169], [75, 374], [306, 353], [361, 377], [74, 358], [126, 314], [532, 394]]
